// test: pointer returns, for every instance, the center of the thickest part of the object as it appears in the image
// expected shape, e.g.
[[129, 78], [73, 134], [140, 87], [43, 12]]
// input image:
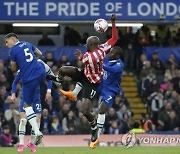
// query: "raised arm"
[[111, 42], [114, 36]]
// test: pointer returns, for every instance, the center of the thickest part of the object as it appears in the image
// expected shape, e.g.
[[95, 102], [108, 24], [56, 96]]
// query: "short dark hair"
[[118, 50], [11, 35]]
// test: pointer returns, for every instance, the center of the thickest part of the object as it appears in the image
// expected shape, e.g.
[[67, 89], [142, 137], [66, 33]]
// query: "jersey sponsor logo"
[[105, 75]]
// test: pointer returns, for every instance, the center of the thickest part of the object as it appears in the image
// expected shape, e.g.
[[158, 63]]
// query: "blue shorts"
[[36, 103], [108, 97], [30, 88]]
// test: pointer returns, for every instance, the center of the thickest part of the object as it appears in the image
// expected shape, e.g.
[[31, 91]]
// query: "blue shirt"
[[112, 76], [23, 54]]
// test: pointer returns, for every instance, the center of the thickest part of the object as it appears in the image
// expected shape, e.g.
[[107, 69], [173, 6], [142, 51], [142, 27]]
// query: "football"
[[100, 25]]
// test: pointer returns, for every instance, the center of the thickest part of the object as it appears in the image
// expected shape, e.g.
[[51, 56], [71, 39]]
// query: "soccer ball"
[[100, 25]]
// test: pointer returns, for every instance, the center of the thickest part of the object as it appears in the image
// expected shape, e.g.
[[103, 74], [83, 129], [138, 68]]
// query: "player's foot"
[[56, 79], [39, 137], [21, 148], [94, 139], [32, 147], [68, 94]]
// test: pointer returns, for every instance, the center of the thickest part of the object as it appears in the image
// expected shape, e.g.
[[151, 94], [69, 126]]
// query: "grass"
[[98, 150]]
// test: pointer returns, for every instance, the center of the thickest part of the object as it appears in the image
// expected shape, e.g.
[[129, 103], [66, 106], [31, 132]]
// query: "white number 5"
[[28, 54]]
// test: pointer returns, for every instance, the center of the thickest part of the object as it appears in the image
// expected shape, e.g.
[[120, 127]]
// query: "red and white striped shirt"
[[93, 60]]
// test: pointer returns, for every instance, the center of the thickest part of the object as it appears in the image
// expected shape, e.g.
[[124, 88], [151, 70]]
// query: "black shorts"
[[89, 89]]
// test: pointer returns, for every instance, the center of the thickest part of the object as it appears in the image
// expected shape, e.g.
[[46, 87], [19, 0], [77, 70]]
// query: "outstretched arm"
[[114, 37], [111, 42]]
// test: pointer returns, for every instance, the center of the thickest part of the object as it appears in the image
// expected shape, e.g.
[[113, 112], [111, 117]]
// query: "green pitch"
[[98, 150]]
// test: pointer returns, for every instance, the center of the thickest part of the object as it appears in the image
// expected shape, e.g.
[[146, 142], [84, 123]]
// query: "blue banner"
[[163, 52], [88, 10]]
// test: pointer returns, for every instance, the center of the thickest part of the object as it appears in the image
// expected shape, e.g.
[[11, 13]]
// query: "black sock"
[[93, 124]]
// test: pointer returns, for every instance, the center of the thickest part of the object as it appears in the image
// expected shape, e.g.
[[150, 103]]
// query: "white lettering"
[[158, 10], [174, 9], [118, 6], [159, 139], [63, 8], [178, 140], [152, 140], [94, 9], [9, 5], [130, 13], [172, 140], [109, 7], [166, 140], [33, 8], [80, 6], [22, 8], [50, 7], [148, 10], [141, 140], [72, 6], [146, 140]]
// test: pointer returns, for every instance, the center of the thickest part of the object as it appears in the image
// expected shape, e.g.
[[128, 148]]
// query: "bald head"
[[92, 43]]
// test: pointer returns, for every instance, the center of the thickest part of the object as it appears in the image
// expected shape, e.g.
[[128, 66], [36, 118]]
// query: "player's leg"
[[72, 95], [89, 91], [37, 109], [50, 75], [77, 75], [29, 90], [22, 127], [105, 101]]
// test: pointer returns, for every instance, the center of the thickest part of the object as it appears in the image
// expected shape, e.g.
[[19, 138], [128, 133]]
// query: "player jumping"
[[91, 77], [22, 56], [108, 88]]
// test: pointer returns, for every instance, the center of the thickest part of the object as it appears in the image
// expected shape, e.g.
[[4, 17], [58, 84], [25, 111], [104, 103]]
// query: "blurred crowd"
[[158, 86]]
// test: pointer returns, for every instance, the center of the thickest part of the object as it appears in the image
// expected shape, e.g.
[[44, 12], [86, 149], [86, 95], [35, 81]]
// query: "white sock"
[[22, 130], [33, 136], [77, 89], [100, 122], [31, 116], [47, 68]]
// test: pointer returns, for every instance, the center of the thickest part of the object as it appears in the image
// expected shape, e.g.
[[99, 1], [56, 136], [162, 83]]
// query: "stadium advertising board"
[[110, 140], [78, 10]]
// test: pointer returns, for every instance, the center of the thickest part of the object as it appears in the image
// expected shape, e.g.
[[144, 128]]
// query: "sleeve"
[[15, 82], [114, 69], [33, 47], [12, 55], [111, 42], [49, 85], [85, 58]]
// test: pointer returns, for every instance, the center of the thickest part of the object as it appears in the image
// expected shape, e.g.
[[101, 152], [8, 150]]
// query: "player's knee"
[[62, 70], [23, 122], [103, 108]]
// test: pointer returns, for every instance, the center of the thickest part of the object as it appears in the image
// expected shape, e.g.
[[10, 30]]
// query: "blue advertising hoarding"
[[89, 10]]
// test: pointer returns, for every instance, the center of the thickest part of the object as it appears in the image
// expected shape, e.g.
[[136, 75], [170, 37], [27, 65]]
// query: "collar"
[[17, 42], [112, 61]]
